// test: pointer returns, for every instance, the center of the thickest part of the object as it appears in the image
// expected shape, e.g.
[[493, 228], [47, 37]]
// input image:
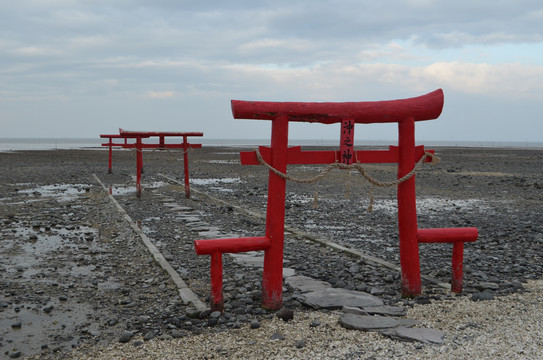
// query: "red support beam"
[[407, 210], [186, 147], [231, 245], [425, 107], [405, 112], [217, 300], [139, 145], [272, 277], [296, 156], [457, 236], [139, 165]]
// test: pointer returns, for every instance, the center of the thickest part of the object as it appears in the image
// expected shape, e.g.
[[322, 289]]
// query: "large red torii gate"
[[139, 145], [405, 112]]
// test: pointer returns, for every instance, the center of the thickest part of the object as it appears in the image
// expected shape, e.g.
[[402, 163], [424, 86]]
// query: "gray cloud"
[[111, 59]]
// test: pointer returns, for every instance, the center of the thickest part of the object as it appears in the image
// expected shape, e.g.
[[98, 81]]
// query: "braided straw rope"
[[373, 181]]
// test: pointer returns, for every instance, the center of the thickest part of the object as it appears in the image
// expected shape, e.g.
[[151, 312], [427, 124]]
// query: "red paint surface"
[[231, 245], [405, 112], [425, 107], [457, 236], [139, 145]]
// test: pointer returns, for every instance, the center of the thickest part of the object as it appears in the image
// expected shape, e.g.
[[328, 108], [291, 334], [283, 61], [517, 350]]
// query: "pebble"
[[126, 336], [277, 336], [285, 314], [483, 295], [255, 324], [14, 354], [300, 343]]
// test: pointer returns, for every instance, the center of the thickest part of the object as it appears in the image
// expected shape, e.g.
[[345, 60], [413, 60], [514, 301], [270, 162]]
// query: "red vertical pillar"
[[272, 278], [109, 171], [186, 166], [457, 267], [407, 211], [139, 165], [217, 302]]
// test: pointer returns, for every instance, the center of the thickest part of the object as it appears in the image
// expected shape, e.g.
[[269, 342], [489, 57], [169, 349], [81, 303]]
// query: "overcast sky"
[[80, 68]]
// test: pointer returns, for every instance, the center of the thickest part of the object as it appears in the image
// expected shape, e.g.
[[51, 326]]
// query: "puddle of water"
[[28, 246], [434, 204], [126, 190], [122, 190], [228, 162], [63, 319], [214, 181], [64, 192]]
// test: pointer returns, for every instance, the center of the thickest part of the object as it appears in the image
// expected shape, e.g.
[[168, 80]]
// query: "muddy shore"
[[76, 276]]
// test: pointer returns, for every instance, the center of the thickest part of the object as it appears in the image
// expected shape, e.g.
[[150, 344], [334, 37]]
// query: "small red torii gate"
[[139, 145], [112, 144], [404, 112]]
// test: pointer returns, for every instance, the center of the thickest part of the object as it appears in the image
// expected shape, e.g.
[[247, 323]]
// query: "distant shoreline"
[[21, 144]]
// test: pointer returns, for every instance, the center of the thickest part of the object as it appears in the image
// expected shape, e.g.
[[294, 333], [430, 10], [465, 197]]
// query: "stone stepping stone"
[[256, 259], [251, 258], [189, 218], [385, 310], [176, 207], [398, 329], [423, 335], [337, 298], [306, 284], [373, 323]]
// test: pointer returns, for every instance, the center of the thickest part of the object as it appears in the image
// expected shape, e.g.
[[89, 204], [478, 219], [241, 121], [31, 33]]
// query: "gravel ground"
[[76, 276]]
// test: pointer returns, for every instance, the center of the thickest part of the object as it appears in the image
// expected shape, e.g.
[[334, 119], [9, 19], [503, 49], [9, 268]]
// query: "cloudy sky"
[[80, 68]]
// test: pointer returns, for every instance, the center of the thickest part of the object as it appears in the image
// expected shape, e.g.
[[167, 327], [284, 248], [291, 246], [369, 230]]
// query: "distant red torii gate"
[[161, 145], [405, 112]]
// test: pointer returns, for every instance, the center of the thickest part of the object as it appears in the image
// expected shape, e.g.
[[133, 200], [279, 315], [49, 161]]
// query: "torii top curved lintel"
[[425, 107], [146, 134]]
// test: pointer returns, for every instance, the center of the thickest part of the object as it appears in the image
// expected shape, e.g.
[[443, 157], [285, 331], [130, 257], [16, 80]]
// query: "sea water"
[[18, 144]]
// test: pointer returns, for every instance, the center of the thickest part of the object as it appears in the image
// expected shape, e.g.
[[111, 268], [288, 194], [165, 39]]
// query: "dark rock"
[[149, 335], [14, 354], [277, 336], [126, 336], [482, 296], [255, 324], [176, 334], [487, 286], [300, 344], [285, 314]]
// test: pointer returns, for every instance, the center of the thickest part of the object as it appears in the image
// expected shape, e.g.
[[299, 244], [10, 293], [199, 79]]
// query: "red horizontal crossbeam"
[[159, 146], [125, 133], [113, 136], [296, 156], [231, 245], [447, 235], [425, 107], [456, 236]]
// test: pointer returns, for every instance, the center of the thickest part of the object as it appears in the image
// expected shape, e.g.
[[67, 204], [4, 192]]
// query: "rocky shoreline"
[[76, 275]]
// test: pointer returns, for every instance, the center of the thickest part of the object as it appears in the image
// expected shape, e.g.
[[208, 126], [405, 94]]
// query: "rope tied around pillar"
[[356, 166]]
